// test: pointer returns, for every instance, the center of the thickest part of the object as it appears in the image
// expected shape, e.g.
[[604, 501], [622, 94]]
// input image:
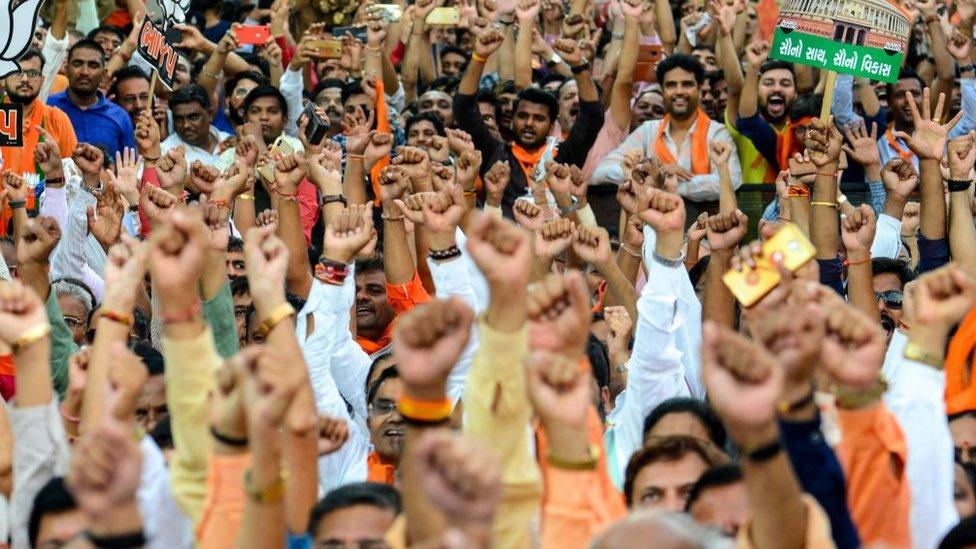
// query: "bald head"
[[668, 530]]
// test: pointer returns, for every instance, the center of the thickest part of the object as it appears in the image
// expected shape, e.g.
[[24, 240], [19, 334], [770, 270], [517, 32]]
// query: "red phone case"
[[256, 35]]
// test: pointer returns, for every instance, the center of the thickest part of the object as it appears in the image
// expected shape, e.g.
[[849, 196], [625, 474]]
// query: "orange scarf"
[[24, 155], [528, 160], [786, 144], [378, 471], [370, 347], [382, 126], [905, 154], [700, 164], [960, 392]]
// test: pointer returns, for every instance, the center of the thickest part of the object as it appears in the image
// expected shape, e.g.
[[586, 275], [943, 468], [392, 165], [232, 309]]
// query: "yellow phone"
[[789, 246], [448, 17], [280, 147], [326, 49]]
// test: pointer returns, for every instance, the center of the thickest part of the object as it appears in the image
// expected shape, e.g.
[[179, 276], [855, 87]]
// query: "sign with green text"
[[866, 38], [822, 53]]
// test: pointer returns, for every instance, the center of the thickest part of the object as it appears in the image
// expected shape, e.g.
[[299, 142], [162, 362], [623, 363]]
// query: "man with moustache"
[[95, 119], [22, 88], [680, 141]]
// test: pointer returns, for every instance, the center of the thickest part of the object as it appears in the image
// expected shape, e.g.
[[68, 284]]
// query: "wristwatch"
[[554, 60], [582, 67]]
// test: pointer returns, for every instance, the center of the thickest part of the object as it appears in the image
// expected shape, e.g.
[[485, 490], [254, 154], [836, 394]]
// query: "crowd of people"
[[463, 273]]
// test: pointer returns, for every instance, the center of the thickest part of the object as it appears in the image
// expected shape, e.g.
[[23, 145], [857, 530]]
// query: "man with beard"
[[95, 119], [890, 145], [889, 277], [131, 90], [534, 114], [764, 109], [681, 140], [22, 88], [328, 95]]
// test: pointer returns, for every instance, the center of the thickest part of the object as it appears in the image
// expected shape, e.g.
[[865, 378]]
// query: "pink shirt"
[[609, 138]]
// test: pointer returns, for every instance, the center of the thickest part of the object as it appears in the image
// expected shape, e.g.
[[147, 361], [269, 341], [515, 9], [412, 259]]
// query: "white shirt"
[[915, 399], [700, 187], [209, 158]]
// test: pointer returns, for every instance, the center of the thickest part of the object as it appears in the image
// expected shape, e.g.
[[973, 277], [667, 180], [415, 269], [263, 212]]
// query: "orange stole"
[[528, 160], [905, 154], [382, 126], [960, 392], [378, 471], [700, 164]]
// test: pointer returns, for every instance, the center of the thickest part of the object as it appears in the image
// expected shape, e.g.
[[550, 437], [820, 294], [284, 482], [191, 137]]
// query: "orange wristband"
[[426, 411]]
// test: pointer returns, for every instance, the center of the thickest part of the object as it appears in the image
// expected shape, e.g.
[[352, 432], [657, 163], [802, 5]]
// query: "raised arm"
[[823, 147], [289, 173], [724, 233], [756, 54], [527, 12], [962, 234]]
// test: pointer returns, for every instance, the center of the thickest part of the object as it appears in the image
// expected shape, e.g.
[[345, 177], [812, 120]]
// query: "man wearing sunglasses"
[[890, 278]]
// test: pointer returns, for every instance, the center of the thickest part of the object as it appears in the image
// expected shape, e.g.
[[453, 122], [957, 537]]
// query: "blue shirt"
[[103, 123]]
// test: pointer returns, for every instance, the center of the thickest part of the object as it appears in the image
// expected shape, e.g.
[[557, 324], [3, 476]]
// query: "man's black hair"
[[446, 84], [351, 88], [897, 267], [429, 117], [961, 536], [806, 105], [553, 77], [385, 356], [31, 53], [235, 244], [127, 73], [152, 358], [539, 97], [358, 493], [246, 75], [112, 29], [906, 73], [386, 375], [714, 77], [455, 50], [265, 90], [140, 323], [505, 86], [162, 433], [698, 271], [775, 64], [327, 84], [54, 497], [715, 477], [239, 286], [258, 61], [89, 44], [681, 61], [369, 264], [698, 408], [596, 351], [486, 96], [190, 93]]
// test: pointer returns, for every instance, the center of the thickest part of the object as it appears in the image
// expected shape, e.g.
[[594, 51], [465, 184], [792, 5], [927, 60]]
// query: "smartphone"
[[317, 127], [359, 33], [391, 12], [255, 35], [326, 48], [448, 17], [790, 246], [280, 147]]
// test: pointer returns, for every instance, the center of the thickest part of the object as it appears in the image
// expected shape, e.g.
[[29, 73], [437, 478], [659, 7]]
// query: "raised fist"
[[428, 342]]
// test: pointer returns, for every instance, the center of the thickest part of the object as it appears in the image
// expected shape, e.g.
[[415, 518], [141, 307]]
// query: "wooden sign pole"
[[828, 96], [152, 87]]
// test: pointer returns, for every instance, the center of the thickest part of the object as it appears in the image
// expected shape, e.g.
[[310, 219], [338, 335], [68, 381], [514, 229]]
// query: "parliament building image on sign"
[[861, 37]]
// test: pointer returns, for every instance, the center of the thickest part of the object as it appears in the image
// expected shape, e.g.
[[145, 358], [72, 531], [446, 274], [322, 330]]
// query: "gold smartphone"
[[448, 17], [280, 147], [789, 246], [391, 12], [326, 49]]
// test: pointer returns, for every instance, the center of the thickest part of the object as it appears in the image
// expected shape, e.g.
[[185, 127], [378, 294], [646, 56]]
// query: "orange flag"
[[767, 12], [382, 126]]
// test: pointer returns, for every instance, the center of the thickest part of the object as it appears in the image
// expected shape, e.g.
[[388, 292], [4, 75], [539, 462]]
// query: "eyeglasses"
[[72, 321], [382, 407], [891, 298], [241, 92], [29, 73]]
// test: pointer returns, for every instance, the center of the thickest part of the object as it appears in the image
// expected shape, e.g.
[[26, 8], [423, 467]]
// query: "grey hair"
[[65, 288], [680, 524]]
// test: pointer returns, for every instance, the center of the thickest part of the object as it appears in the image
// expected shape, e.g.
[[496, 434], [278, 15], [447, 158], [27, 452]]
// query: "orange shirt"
[[378, 470], [577, 505], [21, 159], [223, 509], [402, 298], [873, 454]]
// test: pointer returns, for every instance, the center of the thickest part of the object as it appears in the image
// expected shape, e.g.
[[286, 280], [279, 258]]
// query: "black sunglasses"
[[891, 298]]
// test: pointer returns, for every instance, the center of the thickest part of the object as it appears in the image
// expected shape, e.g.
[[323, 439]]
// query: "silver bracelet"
[[667, 261]]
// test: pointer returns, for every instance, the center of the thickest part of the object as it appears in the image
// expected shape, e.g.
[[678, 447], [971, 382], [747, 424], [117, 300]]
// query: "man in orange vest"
[[22, 88]]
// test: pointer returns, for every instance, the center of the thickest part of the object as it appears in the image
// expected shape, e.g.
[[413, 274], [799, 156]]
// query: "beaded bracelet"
[[443, 255]]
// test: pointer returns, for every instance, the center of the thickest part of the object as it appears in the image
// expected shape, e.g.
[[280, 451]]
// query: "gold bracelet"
[[30, 337], [274, 318], [826, 204], [587, 465], [269, 494], [246, 196], [916, 353]]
